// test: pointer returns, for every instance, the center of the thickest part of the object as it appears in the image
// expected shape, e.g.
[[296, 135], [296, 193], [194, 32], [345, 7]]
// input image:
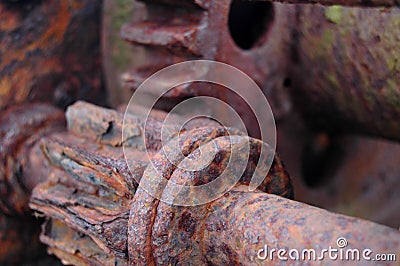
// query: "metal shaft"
[[90, 192]]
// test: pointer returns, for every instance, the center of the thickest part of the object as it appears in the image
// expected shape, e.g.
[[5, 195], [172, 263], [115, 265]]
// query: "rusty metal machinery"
[[341, 73], [88, 193], [325, 70], [176, 31], [354, 91]]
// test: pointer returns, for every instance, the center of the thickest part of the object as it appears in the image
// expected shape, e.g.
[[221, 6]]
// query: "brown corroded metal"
[[90, 185], [252, 36], [232, 230], [23, 164], [376, 160], [73, 247], [200, 29], [99, 215], [19, 240], [346, 71], [231, 237], [50, 51], [146, 206]]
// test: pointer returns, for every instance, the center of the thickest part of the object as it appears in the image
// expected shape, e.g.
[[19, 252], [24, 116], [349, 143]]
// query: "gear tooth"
[[179, 38], [133, 79]]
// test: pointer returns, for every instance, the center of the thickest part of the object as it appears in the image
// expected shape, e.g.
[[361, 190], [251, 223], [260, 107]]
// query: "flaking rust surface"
[[231, 237], [92, 219], [96, 196], [73, 247]]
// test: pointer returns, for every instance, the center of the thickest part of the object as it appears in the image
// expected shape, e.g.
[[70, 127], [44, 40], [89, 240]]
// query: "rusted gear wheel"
[[250, 35]]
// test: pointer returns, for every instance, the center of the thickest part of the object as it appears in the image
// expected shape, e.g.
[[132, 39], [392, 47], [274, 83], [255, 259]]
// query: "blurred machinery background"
[[330, 72]]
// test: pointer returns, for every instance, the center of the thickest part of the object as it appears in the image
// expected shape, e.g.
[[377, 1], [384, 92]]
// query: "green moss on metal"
[[392, 63], [354, 45], [396, 21], [325, 44], [120, 14], [334, 14], [347, 22], [327, 38], [337, 91], [332, 80], [393, 93]]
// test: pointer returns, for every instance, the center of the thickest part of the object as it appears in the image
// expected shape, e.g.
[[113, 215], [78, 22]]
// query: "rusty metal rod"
[[346, 75], [233, 229], [89, 193], [87, 176], [242, 223]]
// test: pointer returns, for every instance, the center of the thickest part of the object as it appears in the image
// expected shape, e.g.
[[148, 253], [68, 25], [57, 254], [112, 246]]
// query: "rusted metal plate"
[[210, 37], [50, 51]]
